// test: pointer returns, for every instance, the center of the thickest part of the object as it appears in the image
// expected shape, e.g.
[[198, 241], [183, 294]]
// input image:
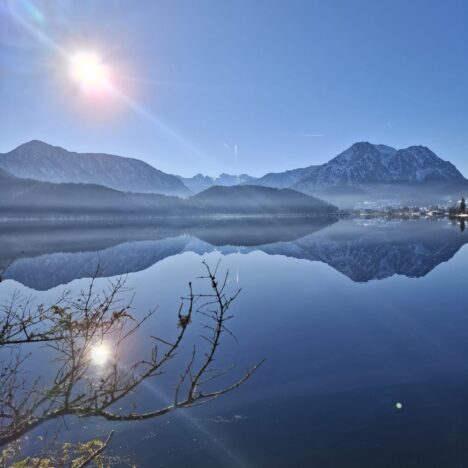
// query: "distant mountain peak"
[[365, 163], [365, 169], [201, 182], [420, 151], [41, 161], [35, 145], [368, 146], [362, 145]]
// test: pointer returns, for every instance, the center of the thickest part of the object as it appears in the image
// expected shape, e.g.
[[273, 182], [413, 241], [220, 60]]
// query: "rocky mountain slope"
[[366, 171], [27, 197], [47, 163], [366, 164]]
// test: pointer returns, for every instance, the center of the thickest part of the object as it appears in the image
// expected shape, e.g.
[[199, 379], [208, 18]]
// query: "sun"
[[100, 354], [88, 70]]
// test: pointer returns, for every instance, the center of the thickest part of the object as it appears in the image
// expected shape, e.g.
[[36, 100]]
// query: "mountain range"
[[368, 172], [26, 198], [201, 182], [363, 172]]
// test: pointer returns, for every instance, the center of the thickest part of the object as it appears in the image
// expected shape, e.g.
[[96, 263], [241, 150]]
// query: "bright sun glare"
[[88, 70], [100, 354]]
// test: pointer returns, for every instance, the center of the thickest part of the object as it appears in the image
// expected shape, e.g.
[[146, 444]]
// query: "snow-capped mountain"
[[366, 164], [200, 182], [44, 162], [365, 170], [288, 178], [420, 164]]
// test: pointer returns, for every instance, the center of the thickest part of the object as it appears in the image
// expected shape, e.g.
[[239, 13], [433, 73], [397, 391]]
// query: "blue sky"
[[290, 83]]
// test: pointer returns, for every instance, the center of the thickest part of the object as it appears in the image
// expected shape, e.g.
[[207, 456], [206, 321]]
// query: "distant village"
[[379, 209]]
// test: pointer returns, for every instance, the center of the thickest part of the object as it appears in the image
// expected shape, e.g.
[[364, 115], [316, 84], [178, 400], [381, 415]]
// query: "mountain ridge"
[[200, 182], [363, 172], [26, 197], [251, 198], [365, 163], [47, 163], [367, 171]]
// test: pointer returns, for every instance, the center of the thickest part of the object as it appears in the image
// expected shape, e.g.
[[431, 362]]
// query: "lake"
[[363, 324]]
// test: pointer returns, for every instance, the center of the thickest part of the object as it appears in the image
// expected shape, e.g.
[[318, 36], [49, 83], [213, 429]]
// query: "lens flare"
[[88, 70]]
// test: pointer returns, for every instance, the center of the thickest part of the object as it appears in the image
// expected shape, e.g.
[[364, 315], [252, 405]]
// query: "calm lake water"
[[352, 316]]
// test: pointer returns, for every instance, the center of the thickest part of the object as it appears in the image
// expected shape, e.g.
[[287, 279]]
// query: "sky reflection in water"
[[354, 318]]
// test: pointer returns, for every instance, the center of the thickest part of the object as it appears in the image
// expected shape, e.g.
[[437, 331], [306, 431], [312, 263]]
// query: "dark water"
[[352, 316]]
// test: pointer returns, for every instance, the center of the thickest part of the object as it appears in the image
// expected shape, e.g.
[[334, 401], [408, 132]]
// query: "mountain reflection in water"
[[363, 250], [341, 348]]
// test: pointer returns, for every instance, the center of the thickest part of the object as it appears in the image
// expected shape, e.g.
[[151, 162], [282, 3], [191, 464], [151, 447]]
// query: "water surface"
[[353, 317]]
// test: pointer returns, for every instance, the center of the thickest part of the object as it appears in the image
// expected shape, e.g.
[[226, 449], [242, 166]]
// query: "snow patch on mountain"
[[366, 164]]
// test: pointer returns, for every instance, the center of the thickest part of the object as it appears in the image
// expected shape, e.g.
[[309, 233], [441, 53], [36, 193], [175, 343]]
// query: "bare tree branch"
[[73, 328]]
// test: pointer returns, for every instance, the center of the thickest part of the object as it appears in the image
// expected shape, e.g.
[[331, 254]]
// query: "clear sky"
[[289, 83]]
